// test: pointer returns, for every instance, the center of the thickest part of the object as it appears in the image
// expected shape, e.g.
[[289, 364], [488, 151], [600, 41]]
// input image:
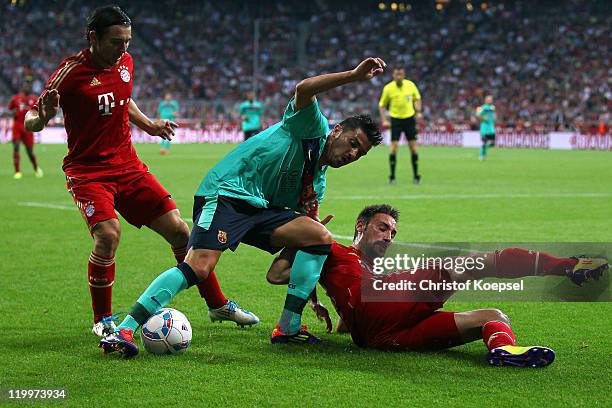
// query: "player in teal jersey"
[[250, 113], [486, 116], [167, 109], [266, 193]]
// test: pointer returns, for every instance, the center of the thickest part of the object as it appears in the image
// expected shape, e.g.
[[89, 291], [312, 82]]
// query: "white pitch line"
[[46, 205], [408, 244], [470, 196], [424, 246], [347, 237], [61, 207]]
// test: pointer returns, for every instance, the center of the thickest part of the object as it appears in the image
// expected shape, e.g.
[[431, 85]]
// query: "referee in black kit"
[[403, 100]]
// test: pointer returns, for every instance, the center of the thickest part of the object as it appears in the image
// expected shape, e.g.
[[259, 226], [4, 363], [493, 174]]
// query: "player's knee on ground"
[[475, 319], [470, 324], [106, 239]]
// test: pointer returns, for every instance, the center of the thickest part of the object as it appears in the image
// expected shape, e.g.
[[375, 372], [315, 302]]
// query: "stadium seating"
[[545, 63]]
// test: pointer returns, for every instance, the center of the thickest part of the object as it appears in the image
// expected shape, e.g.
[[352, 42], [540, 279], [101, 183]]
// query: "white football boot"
[[232, 312], [104, 327]]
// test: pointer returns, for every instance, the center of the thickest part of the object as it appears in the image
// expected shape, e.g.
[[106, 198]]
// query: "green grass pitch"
[[516, 195]]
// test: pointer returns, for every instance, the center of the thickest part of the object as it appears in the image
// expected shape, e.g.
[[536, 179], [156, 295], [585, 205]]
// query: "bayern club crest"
[[124, 73], [90, 210]]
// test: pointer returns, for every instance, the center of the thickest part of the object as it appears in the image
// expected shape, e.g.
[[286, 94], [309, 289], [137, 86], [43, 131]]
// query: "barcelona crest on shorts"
[[222, 237]]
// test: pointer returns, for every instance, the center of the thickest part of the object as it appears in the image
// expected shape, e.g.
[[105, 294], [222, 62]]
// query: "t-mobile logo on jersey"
[[109, 102]]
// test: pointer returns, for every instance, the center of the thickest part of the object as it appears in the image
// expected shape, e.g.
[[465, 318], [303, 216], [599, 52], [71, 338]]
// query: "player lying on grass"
[[265, 193], [408, 324]]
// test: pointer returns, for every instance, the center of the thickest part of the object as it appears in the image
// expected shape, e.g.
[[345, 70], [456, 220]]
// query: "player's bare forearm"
[[320, 310], [33, 122], [418, 106], [138, 118], [383, 113], [158, 127], [308, 88], [280, 270]]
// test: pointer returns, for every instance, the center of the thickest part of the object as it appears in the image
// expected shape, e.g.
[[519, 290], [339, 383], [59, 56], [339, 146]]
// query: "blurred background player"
[[250, 113], [168, 109], [21, 104], [414, 322], [403, 100], [103, 171], [486, 115]]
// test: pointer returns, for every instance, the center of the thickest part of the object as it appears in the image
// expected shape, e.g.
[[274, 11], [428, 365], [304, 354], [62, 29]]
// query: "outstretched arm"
[[159, 127], [383, 117], [308, 88]]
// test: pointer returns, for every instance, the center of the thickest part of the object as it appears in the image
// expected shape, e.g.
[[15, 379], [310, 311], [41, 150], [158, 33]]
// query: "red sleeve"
[[12, 105], [59, 79]]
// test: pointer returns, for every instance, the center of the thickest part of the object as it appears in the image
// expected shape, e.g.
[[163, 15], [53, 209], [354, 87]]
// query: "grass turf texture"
[[516, 195]]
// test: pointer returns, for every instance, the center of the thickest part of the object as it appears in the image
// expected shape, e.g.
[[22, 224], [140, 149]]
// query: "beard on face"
[[376, 249]]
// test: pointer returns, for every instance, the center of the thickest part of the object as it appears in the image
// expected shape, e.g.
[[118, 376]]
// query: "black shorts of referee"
[[406, 126]]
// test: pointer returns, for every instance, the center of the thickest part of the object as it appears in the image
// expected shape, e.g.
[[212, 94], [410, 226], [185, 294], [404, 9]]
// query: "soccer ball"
[[166, 332]]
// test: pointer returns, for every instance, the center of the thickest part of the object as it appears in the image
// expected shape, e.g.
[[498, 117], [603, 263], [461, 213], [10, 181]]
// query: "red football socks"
[[211, 292], [16, 161], [497, 334], [518, 262], [179, 253], [209, 288], [101, 273]]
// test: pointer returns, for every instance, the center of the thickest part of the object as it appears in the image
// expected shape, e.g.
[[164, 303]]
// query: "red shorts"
[[135, 193], [20, 134], [434, 332], [407, 325]]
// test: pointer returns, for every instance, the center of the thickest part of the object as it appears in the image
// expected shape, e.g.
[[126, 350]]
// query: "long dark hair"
[[103, 17]]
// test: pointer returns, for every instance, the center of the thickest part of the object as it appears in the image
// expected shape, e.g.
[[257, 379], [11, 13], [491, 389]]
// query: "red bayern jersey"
[[341, 278], [345, 274], [21, 104], [95, 105]]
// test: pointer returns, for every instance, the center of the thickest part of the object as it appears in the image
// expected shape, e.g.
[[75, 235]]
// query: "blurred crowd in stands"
[[547, 63]]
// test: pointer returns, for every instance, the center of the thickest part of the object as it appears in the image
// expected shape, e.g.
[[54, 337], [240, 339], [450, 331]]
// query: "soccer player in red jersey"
[[416, 324], [103, 172], [21, 104]]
